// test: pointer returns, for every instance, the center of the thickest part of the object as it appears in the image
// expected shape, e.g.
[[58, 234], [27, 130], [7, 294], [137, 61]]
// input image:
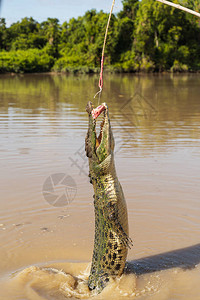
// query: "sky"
[[40, 10]]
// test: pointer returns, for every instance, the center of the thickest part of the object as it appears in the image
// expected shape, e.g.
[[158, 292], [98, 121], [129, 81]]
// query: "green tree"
[[160, 34], [145, 35], [3, 33], [52, 31], [24, 35], [130, 8]]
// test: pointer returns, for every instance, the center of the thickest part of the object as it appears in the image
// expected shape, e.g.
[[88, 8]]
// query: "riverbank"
[[24, 67]]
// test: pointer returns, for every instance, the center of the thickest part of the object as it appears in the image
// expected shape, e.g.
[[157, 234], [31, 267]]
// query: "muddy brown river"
[[46, 204]]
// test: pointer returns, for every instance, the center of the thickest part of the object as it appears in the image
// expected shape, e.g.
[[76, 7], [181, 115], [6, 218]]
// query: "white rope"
[[104, 44], [103, 51], [180, 7], [98, 93]]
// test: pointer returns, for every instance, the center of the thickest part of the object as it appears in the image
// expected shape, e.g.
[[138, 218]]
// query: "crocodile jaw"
[[98, 148]]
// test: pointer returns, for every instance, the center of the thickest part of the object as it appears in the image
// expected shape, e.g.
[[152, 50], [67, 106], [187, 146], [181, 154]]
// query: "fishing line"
[[102, 57]]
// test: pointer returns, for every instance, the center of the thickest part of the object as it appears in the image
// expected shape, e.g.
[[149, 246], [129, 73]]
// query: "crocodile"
[[111, 240]]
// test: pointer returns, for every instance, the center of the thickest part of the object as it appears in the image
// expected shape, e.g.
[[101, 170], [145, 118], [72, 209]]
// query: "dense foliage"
[[144, 36]]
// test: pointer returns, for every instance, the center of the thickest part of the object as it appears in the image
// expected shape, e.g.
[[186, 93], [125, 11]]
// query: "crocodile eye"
[[111, 216]]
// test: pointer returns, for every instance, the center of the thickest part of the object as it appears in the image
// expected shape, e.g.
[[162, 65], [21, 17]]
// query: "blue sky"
[[40, 10]]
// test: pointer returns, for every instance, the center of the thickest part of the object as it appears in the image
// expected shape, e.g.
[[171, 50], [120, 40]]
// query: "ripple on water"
[[69, 281]]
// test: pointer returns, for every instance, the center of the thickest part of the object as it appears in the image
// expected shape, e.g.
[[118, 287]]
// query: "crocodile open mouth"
[[96, 112]]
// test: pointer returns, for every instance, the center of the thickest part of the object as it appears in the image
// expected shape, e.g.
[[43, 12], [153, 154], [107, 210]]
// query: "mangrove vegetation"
[[145, 36]]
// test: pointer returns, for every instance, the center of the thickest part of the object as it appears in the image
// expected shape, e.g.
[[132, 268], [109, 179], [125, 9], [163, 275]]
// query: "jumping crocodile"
[[111, 240]]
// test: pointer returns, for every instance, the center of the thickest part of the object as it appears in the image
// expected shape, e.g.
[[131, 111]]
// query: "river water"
[[46, 204]]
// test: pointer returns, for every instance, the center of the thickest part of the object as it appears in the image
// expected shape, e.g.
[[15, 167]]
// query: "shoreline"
[[96, 71]]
